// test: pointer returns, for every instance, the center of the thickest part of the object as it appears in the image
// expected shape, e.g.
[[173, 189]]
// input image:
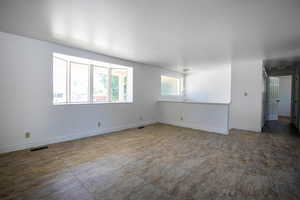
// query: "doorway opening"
[[279, 98], [281, 110], [279, 104]]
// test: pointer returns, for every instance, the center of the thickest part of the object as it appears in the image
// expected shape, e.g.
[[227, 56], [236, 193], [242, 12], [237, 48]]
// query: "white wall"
[[246, 111], [211, 84], [203, 116], [26, 97], [285, 92]]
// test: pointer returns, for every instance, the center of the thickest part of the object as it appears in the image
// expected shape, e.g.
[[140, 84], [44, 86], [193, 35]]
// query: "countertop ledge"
[[192, 102]]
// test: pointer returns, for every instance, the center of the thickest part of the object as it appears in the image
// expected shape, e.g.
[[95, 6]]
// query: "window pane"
[[100, 85], [170, 85], [59, 80], [119, 85], [79, 82]]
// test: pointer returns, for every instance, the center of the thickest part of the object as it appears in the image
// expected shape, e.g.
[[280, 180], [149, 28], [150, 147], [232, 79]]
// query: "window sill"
[[94, 103]]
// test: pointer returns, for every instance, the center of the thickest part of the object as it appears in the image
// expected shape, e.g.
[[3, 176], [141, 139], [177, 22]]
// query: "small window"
[[78, 80], [171, 86]]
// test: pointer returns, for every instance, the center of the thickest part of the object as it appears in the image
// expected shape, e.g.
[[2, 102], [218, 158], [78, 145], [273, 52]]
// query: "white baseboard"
[[223, 131], [22, 146]]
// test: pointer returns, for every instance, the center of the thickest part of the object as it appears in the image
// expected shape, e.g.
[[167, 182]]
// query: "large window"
[[79, 80], [171, 86]]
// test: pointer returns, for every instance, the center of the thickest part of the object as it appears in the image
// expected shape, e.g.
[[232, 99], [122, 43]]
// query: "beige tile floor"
[[157, 162]]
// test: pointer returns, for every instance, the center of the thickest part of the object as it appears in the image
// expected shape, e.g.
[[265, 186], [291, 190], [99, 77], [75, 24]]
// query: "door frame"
[[295, 108]]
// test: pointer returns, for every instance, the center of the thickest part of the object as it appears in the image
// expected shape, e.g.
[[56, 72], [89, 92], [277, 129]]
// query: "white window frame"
[[91, 64], [181, 85]]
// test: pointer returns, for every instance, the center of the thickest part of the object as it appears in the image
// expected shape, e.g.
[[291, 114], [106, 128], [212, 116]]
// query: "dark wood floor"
[[157, 162], [284, 119]]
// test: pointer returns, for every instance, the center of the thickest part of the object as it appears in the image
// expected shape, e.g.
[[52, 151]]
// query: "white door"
[[273, 98]]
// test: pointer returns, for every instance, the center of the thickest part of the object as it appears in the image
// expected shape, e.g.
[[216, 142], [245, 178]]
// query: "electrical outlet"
[[141, 117], [181, 118], [27, 135], [99, 124]]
